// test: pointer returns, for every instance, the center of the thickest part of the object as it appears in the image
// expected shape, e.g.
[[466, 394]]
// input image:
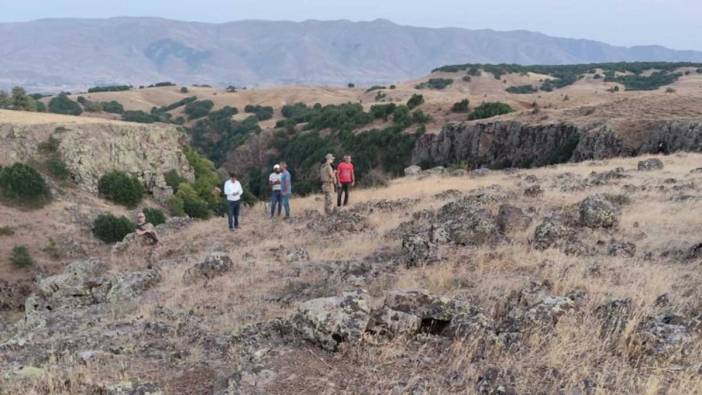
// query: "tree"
[[460, 107], [490, 109], [62, 104], [415, 101], [20, 100], [111, 229]]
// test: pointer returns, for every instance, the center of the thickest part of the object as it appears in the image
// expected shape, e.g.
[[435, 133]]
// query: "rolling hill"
[[70, 54]]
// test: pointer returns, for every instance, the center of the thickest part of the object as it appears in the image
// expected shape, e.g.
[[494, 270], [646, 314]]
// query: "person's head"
[[232, 176], [140, 217], [347, 158], [283, 166], [329, 158], [276, 168]]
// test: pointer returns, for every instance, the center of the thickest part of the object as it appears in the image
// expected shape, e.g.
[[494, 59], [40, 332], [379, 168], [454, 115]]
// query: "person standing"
[[233, 191], [274, 180], [328, 178], [285, 187], [346, 178]]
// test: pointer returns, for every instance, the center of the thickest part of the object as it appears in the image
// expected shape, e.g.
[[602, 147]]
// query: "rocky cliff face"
[[515, 144], [93, 149]]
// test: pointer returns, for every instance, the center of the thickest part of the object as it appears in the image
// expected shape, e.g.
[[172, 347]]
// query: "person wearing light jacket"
[[233, 191]]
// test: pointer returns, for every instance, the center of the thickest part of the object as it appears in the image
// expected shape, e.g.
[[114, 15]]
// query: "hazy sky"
[[673, 23]]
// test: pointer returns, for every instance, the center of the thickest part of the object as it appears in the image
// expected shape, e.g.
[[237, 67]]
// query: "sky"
[[672, 23]]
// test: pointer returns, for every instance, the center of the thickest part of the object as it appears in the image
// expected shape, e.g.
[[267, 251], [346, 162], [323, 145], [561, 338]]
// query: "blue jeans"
[[233, 213], [286, 205], [276, 200]]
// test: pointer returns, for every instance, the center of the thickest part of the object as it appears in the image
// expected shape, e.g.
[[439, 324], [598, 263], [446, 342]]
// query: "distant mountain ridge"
[[55, 54]]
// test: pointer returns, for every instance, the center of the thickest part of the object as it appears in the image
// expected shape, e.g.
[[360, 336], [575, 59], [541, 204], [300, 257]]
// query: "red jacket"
[[345, 170]]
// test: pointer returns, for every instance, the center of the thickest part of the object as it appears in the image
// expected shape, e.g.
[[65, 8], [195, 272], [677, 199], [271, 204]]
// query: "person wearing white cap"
[[276, 197]]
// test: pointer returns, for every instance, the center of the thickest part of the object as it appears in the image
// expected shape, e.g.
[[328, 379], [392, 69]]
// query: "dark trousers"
[[276, 200], [233, 213], [342, 189]]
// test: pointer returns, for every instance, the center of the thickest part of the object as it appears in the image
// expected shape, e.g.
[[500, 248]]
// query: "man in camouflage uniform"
[[328, 177]]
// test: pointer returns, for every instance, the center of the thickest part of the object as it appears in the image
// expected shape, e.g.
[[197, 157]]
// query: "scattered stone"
[[532, 179], [614, 315], [659, 337], [339, 221], [412, 170], [214, 265], [650, 164], [533, 191], [496, 381], [131, 388], [622, 248], [418, 250], [604, 178], [449, 194], [126, 287], [696, 171], [331, 321]]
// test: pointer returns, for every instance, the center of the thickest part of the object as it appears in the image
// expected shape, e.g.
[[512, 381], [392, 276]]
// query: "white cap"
[[276, 167]]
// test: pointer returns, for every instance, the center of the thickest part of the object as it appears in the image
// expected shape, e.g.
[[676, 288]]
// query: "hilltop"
[[70, 54]]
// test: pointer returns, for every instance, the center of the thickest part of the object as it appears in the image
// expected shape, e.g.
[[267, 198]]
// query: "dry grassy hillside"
[[577, 279]]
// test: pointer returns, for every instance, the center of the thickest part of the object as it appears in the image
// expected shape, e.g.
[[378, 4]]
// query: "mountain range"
[[65, 54]]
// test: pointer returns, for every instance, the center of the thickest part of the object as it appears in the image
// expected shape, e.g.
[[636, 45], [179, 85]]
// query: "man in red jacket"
[[346, 178]]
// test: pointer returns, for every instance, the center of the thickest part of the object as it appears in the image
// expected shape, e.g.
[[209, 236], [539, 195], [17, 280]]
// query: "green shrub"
[[22, 183], [177, 104], [6, 231], [154, 216], [420, 117], [184, 89], [176, 206], [139, 116], [110, 88], [435, 83], [196, 208], [490, 109], [402, 117], [111, 229], [415, 101], [375, 88], [121, 188], [382, 110], [113, 107], [90, 106], [198, 109], [57, 167], [49, 146], [522, 89], [173, 179], [263, 113], [20, 257], [62, 104], [460, 107]]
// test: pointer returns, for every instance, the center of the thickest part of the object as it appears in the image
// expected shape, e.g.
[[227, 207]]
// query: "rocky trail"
[[574, 279]]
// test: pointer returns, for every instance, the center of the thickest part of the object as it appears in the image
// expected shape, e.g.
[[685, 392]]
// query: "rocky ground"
[[573, 279]]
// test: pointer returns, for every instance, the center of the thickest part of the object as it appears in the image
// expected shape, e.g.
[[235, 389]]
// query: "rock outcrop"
[[503, 144], [91, 148]]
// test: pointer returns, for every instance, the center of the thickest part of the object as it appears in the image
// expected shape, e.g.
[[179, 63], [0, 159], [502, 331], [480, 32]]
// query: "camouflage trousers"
[[328, 190]]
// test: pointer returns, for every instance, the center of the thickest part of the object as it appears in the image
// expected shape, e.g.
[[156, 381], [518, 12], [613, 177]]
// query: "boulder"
[[660, 337], [331, 321], [621, 248], [339, 221], [614, 314], [125, 287], [598, 211], [532, 307], [512, 219], [412, 170], [552, 232], [214, 265], [650, 164]]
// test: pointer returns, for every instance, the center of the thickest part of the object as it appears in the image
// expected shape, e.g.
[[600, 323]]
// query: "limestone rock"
[[650, 164], [330, 321], [214, 265], [412, 170], [598, 211], [512, 219]]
